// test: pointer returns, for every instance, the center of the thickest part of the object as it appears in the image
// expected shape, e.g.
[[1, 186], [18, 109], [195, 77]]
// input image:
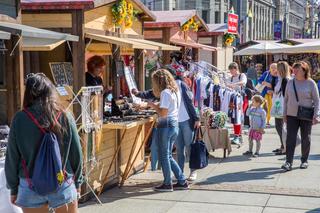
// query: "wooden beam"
[[139, 69], [214, 42], [166, 40], [78, 53]]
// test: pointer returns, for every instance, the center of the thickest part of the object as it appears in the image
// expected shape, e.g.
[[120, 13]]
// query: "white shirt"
[[183, 113], [241, 77], [170, 101]]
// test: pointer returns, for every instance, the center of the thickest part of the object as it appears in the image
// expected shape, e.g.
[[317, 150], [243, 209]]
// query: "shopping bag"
[[199, 153], [277, 105], [260, 87]]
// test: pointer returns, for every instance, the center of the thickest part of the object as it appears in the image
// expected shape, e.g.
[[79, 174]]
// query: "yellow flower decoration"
[[60, 177], [185, 27]]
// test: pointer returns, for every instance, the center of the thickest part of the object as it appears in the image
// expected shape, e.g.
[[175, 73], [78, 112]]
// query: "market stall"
[[112, 134]]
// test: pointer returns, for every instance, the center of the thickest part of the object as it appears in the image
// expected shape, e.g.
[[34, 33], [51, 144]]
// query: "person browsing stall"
[[165, 88], [237, 82], [269, 80]]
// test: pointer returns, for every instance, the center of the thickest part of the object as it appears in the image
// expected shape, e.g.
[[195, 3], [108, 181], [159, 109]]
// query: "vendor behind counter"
[[95, 65]]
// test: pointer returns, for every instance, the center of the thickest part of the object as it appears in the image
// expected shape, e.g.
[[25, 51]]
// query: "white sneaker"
[[193, 176]]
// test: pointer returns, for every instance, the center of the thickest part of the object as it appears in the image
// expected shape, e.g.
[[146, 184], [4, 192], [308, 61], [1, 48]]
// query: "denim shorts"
[[28, 198]]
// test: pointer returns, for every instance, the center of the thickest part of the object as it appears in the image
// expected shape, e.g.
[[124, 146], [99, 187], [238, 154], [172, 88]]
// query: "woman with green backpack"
[[44, 159]]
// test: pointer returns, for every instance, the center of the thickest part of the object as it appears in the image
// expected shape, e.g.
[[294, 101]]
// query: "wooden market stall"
[[113, 149], [178, 27]]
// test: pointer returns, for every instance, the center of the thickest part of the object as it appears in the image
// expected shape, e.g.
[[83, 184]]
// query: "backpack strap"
[[34, 120]]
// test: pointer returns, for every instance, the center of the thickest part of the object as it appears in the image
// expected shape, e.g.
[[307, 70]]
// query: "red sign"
[[233, 23]]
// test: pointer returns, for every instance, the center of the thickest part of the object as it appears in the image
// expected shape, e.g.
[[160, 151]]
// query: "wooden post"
[[18, 75], [78, 54], [166, 40], [214, 43], [115, 76], [139, 69], [9, 82]]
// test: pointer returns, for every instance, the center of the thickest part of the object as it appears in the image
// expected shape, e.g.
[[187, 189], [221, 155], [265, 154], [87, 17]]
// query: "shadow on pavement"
[[314, 211], [254, 174]]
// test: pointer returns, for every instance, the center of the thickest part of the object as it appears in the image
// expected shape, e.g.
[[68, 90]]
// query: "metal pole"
[[285, 20]]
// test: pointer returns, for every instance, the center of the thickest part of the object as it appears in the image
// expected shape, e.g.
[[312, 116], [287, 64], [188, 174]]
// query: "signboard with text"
[[277, 30], [233, 23]]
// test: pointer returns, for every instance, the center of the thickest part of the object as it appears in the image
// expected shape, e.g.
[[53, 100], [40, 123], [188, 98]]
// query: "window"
[[9, 8], [216, 18], [205, 15]]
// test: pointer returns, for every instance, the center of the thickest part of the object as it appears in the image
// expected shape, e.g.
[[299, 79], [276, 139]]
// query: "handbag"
[[260, 87], [277, 106], [304, 113], [199, 153]]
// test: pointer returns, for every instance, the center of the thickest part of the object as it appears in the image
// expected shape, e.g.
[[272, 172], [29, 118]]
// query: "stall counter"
[[119, 152]]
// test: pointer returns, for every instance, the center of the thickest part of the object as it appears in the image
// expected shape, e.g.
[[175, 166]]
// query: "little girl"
[[257, 117]]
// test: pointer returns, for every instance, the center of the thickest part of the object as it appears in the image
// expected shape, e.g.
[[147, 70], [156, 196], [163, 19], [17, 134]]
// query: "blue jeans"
[[167, 135], [154, 150], [28, 198], [183, 143]]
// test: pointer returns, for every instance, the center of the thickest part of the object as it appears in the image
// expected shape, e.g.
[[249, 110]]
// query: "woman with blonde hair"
[[279, 90], [165, 88]]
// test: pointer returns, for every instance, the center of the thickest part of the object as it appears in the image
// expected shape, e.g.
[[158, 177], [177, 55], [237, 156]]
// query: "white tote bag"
[[277, 105]]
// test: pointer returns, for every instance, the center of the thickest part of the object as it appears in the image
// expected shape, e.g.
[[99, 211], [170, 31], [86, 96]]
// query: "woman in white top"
[[165, 88], [237, 82]]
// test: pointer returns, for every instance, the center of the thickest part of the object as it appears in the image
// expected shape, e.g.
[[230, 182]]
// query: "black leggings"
[[293, 125], [279, 128]]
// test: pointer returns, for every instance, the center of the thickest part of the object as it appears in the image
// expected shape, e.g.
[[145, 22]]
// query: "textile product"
[[217, 139], [308, 97], [183, 143], [268, 99], [255, 135], [293, 125], [257, 118], [237, 129], [166, 138], [171, 101], [215, 120], [198, 154]]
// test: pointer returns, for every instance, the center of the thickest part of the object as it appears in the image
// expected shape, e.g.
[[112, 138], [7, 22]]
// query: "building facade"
[[293, 15]]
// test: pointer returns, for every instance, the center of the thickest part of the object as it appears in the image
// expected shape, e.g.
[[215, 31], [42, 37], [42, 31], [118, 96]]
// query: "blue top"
[[257, 118], [266, 76]]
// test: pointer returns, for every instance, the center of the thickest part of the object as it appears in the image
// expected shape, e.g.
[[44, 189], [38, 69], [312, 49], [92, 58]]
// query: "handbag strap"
[[295, 90], [196, 135]]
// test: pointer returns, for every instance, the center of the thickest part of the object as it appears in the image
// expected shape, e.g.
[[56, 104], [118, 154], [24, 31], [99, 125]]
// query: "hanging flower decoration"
[[190, 24], [123, 13], [229, 39]]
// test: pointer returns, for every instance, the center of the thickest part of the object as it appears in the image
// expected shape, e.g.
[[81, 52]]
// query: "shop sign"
[[233, 23], [277, 30]]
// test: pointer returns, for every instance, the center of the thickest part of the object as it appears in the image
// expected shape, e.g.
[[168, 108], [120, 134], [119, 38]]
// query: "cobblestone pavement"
[[234, 184]]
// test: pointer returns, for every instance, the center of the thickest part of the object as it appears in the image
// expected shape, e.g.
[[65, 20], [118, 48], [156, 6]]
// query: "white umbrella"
[[263, 48], [310, 47]]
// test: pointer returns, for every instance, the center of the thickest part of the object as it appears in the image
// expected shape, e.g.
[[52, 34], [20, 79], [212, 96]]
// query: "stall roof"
[[40, 44], [125, 42], [179, 17], [215, 29], [32, 32], [5, 35], [56, 4], [193, 44], [160, 45], [79, 4]]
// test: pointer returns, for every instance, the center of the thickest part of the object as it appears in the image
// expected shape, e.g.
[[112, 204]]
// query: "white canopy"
[[35, 39], [310, 47], [265, 47], [4, 35]]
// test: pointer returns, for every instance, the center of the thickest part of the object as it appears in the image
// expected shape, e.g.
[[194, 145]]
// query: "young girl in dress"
[[257, 117]]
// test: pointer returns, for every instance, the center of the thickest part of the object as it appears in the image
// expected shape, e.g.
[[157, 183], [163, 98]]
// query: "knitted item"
[[215, 120]]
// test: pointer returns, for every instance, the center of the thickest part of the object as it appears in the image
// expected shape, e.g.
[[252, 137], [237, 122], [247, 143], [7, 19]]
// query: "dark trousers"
[[279, 127], [293, 125]]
